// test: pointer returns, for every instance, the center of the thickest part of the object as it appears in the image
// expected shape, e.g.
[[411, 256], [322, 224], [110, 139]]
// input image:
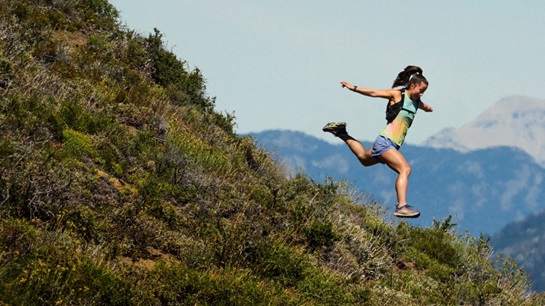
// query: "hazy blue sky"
[[278, 64]]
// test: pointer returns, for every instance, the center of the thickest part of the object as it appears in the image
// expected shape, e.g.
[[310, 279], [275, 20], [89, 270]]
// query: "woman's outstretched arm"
[[390, 94]]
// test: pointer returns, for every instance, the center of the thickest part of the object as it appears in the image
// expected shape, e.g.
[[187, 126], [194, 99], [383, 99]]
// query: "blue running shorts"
[[381, 145]]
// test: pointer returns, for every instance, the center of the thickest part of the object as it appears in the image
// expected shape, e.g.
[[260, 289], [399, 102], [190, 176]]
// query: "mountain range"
[[522, 241], [515, 121]]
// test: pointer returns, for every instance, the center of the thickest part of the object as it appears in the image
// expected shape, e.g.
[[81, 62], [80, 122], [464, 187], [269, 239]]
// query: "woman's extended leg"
[[338, 129], [363, 155]]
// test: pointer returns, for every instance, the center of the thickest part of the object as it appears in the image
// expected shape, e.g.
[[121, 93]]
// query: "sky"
[[278, 64]]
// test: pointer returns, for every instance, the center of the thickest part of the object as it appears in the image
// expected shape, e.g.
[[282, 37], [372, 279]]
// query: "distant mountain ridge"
[[523, 241], [516, 121]]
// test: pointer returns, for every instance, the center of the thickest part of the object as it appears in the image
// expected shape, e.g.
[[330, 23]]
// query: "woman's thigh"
[[396, 161], [369, 160]]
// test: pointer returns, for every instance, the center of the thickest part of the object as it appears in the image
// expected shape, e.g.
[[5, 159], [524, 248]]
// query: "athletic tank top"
[[397, 129]]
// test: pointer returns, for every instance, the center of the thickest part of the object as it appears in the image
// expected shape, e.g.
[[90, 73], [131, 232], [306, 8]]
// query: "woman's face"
[[417, 90]]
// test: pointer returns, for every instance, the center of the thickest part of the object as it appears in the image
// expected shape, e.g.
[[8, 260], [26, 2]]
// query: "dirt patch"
[[72, 40], [147, 264]]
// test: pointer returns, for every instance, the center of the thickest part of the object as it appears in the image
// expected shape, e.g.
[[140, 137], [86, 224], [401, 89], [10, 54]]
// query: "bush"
[[177, 284], [55, 268]]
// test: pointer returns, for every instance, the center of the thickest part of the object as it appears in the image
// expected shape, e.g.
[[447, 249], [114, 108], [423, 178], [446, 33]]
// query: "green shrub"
[[77, 145], [176, 284], [82, 221], [435, 243], [102, 8], [325, 289], [6, 68], [321, 235], [279, 262], [182, 86], [55, 268]]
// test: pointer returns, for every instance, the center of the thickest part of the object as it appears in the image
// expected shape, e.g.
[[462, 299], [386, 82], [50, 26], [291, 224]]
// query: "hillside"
[[515, 121], [121, 185], [483, 190]]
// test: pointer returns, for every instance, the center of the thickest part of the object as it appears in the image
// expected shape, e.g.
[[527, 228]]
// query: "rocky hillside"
[[515, 121]]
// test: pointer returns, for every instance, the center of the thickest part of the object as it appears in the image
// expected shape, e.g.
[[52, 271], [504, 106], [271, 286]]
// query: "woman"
[[408, 88]]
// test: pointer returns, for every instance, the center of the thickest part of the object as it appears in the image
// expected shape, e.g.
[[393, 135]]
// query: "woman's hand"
[[425, 107], [347, 85]]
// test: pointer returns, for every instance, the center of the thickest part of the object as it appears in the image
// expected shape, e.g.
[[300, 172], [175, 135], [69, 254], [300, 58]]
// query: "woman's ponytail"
[[411, 74]]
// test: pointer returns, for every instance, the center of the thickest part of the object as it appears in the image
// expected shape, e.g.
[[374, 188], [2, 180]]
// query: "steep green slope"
[[120, 185]]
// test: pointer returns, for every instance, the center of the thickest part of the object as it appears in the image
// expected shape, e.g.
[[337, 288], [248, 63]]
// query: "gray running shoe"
[[406, 211], [335, 128]]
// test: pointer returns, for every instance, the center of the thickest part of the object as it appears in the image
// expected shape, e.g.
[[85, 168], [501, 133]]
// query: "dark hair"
[[411, 75]]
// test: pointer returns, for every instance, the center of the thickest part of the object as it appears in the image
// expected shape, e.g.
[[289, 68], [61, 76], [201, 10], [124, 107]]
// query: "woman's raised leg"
[[363, 155]]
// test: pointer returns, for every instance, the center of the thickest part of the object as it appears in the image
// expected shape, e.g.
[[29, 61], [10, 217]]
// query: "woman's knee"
[[368, 162], [405, 170], [366, 159]]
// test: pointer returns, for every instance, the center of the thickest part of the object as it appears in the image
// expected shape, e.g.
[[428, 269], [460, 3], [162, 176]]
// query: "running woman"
[[407, 89]]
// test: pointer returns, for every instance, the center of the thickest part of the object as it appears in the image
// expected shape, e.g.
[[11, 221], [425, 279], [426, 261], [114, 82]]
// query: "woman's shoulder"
[[396, 94]]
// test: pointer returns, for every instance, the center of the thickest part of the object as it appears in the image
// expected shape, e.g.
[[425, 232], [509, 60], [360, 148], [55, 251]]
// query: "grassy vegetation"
[[121, 185]]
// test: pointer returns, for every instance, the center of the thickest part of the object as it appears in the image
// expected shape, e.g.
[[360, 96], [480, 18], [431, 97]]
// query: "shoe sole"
[[337, 126], [407, 216], [334, 129]]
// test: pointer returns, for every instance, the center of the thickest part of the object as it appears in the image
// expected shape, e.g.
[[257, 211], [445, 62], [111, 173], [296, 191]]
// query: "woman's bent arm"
[[425, 107]]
